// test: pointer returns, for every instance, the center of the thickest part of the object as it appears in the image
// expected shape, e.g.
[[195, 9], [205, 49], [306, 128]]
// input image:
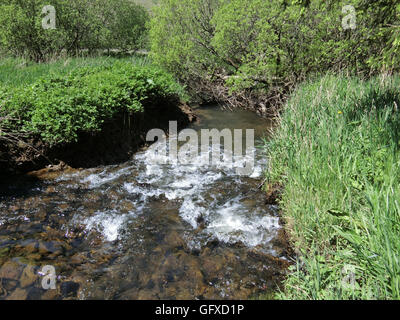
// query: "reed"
[[336, 152]]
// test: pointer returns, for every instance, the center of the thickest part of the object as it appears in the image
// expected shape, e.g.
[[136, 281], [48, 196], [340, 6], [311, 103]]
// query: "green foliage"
[[180, 37], [59, 107], [80, 25], [337, 154], [256, 44], [20, 72], [126, 27]]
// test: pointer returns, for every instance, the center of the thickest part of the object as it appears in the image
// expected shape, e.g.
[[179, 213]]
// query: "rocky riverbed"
[[143, 231]]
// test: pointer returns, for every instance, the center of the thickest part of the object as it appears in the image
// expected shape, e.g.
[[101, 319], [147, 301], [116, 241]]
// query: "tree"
[[258, 46], [80, 24]]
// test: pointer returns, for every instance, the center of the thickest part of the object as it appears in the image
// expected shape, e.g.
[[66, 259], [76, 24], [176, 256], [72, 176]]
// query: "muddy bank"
[[119, 139]]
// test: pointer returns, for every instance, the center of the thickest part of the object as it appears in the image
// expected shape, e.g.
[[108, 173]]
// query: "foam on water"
[[108, 223], [233, 222], [199, 188], [96, 180], [190, 211]]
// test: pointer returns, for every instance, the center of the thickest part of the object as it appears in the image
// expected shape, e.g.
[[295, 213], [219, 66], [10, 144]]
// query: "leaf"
[[349, 235], [338, 213]]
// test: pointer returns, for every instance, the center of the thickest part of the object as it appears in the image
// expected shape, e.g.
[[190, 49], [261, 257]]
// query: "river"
[[140, 230]]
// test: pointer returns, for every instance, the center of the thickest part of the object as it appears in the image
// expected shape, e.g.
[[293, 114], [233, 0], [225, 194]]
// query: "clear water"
[[145, 231]]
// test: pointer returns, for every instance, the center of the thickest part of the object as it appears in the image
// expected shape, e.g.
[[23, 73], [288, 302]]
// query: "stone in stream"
[[50, 295], [28, 277], [69, 289], [35, 293], [147, 295], [8, 285], [79, 258], [34, 257], [173, 240], [11, 270], [30, 246], [54, 247], [18, 294]]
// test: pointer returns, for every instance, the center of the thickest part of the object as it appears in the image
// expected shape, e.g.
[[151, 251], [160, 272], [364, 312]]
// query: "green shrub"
[[58, 108]]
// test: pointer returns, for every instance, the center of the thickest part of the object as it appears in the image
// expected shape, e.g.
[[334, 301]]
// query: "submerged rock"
[[69, 289], [11, 270], [28, 277], [18, 294]]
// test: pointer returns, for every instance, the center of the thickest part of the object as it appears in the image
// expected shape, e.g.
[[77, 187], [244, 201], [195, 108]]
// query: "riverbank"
[[336, 154], [83, 112]]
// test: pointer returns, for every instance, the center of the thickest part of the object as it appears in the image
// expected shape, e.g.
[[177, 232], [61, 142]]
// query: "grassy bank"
[[336, 153], [20, 72], [48, 107], [58, 101]]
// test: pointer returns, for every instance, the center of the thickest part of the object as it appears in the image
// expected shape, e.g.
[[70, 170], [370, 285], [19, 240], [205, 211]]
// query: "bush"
[[58, 108]]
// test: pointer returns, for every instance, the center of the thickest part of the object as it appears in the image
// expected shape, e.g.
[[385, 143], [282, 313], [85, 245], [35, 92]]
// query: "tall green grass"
[[336, 153]]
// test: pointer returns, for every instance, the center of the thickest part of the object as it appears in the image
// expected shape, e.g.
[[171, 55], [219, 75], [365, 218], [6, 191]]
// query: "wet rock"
[[75, 243], [146, 295], [51, 172], [24, 228], [79, 258], [3, 254], [131, 294], [8, 284], [213, 243], [35, 293], [281, 244], [212, 265], [127, 206], [173, 240], [54, 247], [41, 214], [11, 270], [34, 257], [69, 289], [206, 293], [64, 206], [30, 246], [201, 221], [50, 189], [28, 277], [18, 294], [250, 203], [55, 234], [50, 295]]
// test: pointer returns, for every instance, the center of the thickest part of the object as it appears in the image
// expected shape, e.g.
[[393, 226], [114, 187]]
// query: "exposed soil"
[[273, 196]]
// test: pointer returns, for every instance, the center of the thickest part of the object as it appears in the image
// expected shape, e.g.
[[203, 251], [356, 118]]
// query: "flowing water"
[[141, 230]]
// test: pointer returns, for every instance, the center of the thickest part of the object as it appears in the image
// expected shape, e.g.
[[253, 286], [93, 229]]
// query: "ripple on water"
[[181, 231]]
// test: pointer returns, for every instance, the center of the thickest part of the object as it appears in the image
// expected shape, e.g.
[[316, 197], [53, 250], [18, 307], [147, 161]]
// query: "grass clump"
[[60, 105], [337, 154]]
